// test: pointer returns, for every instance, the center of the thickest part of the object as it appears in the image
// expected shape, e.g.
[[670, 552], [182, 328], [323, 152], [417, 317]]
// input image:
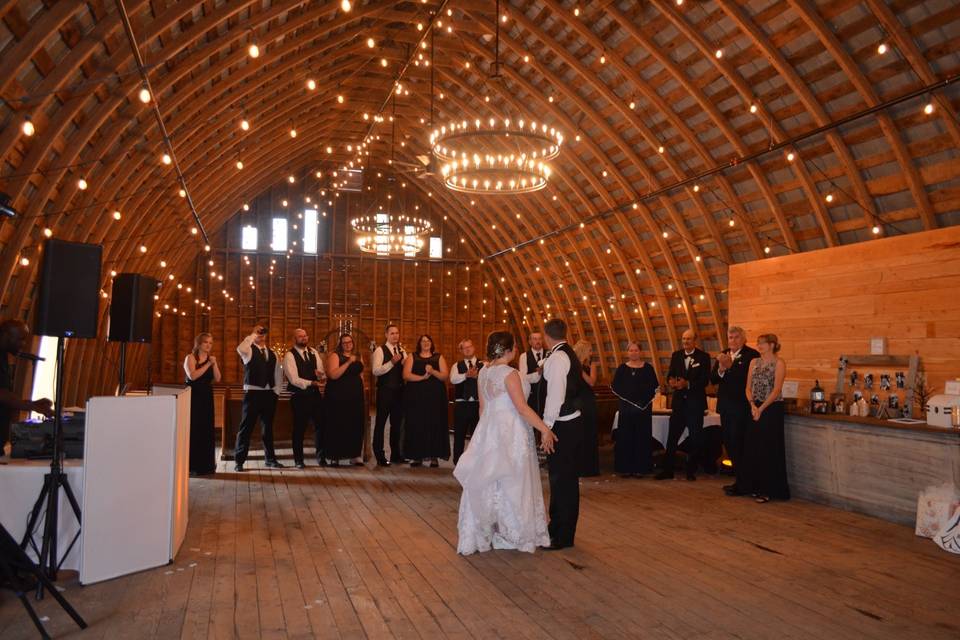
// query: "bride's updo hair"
[[498, 343]]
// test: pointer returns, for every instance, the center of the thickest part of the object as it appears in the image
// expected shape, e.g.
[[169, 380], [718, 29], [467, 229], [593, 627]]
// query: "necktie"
[[539, 356], [396, 351]]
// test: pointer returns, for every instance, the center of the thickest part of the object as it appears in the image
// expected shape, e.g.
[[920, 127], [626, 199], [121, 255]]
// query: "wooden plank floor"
[[370, 553]]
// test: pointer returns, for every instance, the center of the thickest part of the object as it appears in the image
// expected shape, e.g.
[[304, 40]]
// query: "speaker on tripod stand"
[[131, 314], [67, 307]]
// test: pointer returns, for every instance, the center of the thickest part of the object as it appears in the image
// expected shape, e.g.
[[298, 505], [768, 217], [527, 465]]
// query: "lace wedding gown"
[[502, 502]]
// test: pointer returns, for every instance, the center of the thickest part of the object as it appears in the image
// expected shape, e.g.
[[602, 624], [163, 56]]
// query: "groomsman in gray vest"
[[531, 370], [303, 368], [261, 386], [387, 365]]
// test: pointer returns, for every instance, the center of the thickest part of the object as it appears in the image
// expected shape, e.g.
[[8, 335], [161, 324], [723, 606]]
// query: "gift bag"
[[948, 538], [935, 506]]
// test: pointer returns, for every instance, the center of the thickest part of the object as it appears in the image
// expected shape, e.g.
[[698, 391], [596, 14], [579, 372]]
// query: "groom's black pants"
[[564, 483]]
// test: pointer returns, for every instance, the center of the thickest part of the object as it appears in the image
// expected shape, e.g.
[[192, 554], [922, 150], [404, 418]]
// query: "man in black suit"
[[688, 376], [730, 374]]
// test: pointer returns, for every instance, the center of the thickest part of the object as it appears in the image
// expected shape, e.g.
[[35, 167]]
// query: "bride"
[[502, 502]]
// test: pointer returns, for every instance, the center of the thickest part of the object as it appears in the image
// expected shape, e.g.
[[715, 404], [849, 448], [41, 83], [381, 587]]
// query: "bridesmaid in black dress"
[[635, 384], [764, 446], [426, 433], [589, 463], [202, 371], [344, 404]]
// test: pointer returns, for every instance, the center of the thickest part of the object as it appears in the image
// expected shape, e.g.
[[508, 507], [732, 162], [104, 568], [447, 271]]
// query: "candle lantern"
[[818, 400]]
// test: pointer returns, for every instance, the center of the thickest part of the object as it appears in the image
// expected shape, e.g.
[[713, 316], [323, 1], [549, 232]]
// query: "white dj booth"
[[132, 485]]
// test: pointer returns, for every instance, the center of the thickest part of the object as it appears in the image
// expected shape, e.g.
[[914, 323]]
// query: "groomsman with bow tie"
[[466, 406], [531, 370], [261, 386], [387, 364], [304, 370], [688, 376], [730, 375]]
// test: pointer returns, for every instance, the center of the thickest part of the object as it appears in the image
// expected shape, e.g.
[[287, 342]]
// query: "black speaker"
[[69, 292], [131, 308]]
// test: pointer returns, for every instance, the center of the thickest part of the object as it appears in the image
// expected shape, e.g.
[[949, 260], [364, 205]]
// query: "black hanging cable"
[[128, 28]]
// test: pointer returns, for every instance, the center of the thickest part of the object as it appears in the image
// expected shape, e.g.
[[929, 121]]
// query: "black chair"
[[20, 574]]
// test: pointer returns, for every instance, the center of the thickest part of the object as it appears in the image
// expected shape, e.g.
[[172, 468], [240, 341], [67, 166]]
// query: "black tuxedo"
[[688, 406], [732, 402]]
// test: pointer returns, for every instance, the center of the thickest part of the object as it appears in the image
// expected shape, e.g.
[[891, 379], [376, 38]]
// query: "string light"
[[791, 157], [345, 5], [876, 230], [293, 132], [239, 164], [253, 50], [143, 248], [166, 159], [718, 53], [245, 124], [753, 108], [24, 262], [144, 95], [383, 62], [340, 99], [27, 127], [882, 48], [183, 193], [311, 84], [48, 232], [82, 184], [117, 215], [766, 249], [928, 109], [829, 197], [371, 43]]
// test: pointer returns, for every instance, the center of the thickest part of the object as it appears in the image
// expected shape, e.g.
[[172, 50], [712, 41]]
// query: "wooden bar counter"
[[867, 465]]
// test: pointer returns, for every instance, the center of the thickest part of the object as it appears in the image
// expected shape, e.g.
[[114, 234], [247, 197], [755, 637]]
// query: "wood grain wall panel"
[[830, 302]]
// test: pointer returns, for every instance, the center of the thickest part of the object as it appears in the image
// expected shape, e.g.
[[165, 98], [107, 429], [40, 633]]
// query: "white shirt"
[[245, 349], [379, 366], [290, 366], [456, 377], [534, 376], [734, 356], [555, 371]]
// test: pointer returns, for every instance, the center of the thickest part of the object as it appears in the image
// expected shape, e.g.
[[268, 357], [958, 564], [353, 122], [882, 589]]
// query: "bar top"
[[876, 422]]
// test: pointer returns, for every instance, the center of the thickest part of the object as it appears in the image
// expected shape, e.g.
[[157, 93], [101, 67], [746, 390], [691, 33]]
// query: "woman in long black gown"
[[635, 384], [202, 371], [426, 433], [764, 448], [343, 434], [589, 463]]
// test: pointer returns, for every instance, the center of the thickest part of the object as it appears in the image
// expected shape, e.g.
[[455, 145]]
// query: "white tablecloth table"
[[661, 425], [20, 484]]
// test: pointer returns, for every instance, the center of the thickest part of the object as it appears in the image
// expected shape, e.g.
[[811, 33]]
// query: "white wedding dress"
[[502, 502]]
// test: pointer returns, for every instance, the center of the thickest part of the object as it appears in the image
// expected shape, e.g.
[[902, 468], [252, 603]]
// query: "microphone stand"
[[49, 498]]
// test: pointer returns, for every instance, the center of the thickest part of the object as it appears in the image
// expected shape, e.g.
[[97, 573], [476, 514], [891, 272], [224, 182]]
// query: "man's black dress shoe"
[[731, 490], [416, 463], [555, 547], [273, 464], [334, 463], [299, 465], [238, 467], [383, 462], [691, 476], [664, 475], [321, 462]]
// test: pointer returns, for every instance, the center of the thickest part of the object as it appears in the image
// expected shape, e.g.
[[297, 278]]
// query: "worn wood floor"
[[369, 553]]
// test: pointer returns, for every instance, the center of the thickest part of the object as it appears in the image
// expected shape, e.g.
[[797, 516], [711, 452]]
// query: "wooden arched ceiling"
[[699, 134]]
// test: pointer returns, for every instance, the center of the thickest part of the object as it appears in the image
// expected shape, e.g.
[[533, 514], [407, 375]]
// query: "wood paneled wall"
[[822, 304], [449, 298]]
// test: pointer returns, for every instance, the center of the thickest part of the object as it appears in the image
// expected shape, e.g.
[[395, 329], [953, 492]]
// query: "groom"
[[562, 379]]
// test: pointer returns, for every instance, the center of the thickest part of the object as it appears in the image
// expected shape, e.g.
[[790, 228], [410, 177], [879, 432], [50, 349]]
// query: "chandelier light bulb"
[[27, 127]]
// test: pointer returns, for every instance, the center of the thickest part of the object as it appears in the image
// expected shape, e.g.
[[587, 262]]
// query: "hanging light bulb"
[[371, 43], [340, 99], [144, 95], [82, 184], [791, 157], [48, 232], [239, 164], [245, 124], [875, 230], [345, 5], [718, 53], [253, 50], [182, 193], [311, 84], [27, 127], [928, 109], [882, 48], [143, 248], [293, 132], [117, 215], [383, 62], [166, 159]]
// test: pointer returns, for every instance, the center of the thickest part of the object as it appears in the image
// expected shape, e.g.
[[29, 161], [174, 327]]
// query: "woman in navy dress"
[[635, 384], [343, 434], [426, 433], [202, 371]]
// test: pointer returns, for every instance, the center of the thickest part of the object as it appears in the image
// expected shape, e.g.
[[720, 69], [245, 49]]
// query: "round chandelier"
[[388, 234], [495, 156]]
